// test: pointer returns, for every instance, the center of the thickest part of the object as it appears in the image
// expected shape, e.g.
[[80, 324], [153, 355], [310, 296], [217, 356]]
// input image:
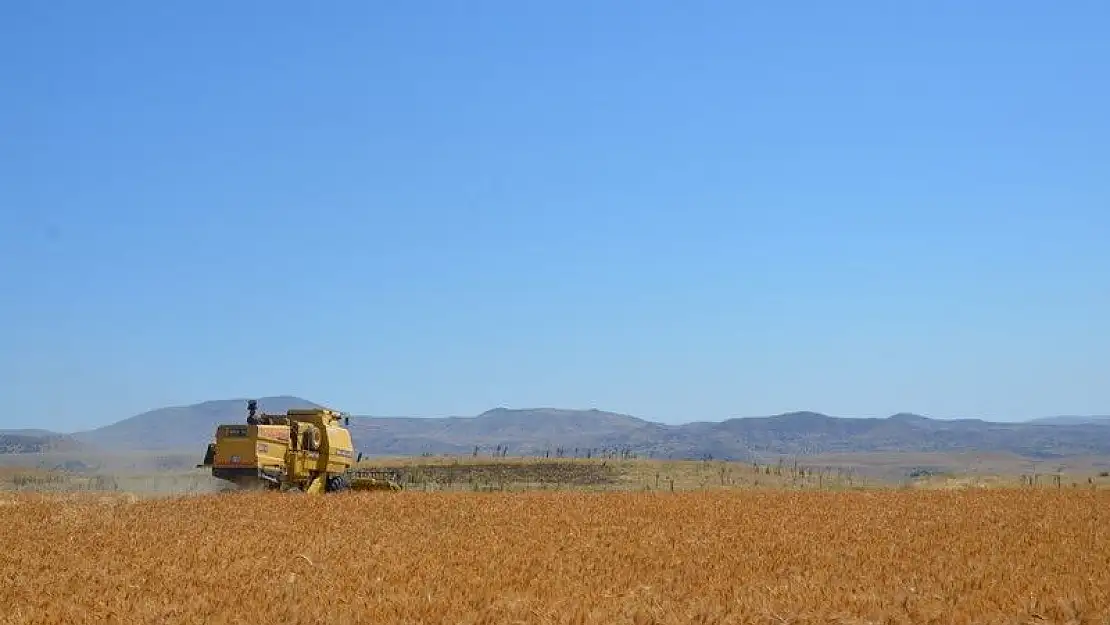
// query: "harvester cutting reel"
[[368, 479], [352, 479]]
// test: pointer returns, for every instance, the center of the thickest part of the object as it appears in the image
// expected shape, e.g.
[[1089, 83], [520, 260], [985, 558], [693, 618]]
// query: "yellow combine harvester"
[[304, 449]]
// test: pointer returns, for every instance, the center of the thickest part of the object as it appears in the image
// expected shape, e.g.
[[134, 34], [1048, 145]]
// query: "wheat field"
[[897, 556]]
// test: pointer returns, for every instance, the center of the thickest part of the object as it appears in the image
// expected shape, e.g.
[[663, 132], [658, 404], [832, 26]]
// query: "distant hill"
[[35, 441], [802, 433], [29, 432], [180, 427], [520, 431], [581, 432], [1073, 420]]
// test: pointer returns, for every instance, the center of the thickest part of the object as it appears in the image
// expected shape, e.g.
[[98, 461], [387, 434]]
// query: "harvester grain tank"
[[306, 449]]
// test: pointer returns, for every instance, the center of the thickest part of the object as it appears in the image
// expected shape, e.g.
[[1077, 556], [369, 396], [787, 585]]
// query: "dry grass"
[[162, 483], [149, 476], [967, 556], [444, 473], [822, 472]]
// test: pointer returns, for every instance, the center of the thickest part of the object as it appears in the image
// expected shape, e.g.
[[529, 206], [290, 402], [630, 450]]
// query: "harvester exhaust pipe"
[[252, 410]]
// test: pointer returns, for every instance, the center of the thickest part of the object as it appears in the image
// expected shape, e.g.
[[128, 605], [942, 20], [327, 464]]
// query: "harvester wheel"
[[338, 483]]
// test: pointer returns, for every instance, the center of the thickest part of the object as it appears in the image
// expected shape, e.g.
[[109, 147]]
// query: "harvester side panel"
[[338, 450], [272, 442]]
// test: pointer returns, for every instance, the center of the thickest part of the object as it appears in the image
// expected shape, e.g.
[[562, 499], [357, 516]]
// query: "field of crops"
[[982, 556]]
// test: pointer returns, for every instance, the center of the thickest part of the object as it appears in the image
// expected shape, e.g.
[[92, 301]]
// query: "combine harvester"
[[308, 450]]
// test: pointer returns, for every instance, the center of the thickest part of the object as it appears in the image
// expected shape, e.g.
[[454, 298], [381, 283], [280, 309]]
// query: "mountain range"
[[580, 432]]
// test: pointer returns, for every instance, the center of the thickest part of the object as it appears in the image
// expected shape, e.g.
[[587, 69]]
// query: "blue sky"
[[677, 210]]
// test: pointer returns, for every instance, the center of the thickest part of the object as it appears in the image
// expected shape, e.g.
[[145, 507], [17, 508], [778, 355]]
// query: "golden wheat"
[[705, 557]]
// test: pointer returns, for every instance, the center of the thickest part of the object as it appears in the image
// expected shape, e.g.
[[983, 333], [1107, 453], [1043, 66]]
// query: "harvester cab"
[[307, 449]]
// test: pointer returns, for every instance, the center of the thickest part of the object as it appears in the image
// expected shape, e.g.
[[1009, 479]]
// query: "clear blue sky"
[[678, 210]]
